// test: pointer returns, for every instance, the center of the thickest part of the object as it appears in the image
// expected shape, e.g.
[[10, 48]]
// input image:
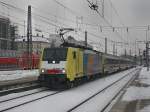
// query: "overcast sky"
[[130, 13]]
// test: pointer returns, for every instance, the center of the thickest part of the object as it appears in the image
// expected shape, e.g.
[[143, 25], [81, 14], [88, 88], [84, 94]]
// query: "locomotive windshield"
[[54, 54]]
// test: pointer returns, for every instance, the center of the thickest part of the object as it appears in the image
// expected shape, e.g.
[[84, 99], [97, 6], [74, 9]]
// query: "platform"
[[17, 77], [136, 97]]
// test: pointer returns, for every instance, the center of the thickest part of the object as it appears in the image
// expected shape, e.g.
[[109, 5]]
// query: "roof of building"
[[4, 19], [34, 39]]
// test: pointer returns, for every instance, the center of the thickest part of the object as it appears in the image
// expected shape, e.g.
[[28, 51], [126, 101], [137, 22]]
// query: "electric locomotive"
[[64, 65], [70, 66], [73, 63]]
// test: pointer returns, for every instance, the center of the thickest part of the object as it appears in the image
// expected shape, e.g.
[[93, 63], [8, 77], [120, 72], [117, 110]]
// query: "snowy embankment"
[[135, 93], [13, 75], [66, 100]]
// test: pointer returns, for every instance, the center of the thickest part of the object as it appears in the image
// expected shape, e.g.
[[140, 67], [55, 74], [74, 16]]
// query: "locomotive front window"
[[54, 54]]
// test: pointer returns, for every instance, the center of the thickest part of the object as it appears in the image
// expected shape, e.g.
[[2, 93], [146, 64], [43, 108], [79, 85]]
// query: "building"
[[8, 34], [38, 42]]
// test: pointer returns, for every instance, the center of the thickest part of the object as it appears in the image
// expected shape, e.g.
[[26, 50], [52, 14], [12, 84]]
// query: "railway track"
[[24, 95], [120, 92], [20, 87], [104, 89], [12, 103], [33, 97]]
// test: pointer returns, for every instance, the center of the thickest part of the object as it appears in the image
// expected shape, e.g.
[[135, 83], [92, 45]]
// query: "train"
[[71, 66], [24, 61], [12, 60]]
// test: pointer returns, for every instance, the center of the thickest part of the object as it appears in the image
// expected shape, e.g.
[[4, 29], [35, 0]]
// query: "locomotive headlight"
[[63, 71], [53, 62], [42, 70]]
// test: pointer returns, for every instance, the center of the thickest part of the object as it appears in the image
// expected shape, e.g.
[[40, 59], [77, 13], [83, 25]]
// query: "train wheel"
[[76, 82], [70, 84]]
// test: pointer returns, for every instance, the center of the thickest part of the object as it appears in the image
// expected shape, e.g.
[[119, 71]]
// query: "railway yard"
[[74, 56], [101, 95]]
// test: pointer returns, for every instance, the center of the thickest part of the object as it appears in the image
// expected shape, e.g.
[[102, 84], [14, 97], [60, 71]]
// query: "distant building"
[[38, 42], [8, 34]]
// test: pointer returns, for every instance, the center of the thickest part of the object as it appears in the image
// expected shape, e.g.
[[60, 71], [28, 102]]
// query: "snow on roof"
[[34, 39]]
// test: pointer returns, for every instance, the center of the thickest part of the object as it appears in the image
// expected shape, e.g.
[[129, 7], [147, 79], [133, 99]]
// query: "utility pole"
[[114, 48], [103, 7], [147, 55], [116, 51], [105, 45], [29, 38], [24, 28], [130, 52], [135, 46], [140, 57], [86, 38], [125, 52]]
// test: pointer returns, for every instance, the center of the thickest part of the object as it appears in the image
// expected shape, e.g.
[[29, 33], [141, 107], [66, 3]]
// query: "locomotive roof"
[[106, 55]]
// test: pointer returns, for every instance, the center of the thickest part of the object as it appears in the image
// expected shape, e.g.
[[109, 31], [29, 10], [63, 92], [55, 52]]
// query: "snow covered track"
[[24, 95], [25, 99], [66, 100], [18, 87], [99, 95], [120, 92]]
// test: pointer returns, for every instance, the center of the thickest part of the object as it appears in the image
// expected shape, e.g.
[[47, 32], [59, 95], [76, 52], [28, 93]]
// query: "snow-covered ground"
[[12, 75], [101, 100], [66, 100], [145, 76], [145, 109], [137, 93], [13, 95]]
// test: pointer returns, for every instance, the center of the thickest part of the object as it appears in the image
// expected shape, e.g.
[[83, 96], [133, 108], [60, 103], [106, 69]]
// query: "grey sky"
[[131, 12]]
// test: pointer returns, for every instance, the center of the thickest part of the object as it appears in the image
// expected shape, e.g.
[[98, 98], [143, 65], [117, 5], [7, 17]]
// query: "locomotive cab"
[[52, 65], [61, 66]]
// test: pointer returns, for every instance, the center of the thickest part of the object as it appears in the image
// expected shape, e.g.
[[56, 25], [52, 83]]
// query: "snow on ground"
[[145, 76], [12, 75], [13, 95], [137, 93], [145, 109], [97, 103], [13, 103], [64, 101]]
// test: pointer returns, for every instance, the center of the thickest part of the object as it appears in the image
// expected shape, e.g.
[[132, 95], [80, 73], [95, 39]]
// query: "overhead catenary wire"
[[35, 15], [144, 27], [70, 10], [59, 24], [103, 27], [106, 21], [116, 13]]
